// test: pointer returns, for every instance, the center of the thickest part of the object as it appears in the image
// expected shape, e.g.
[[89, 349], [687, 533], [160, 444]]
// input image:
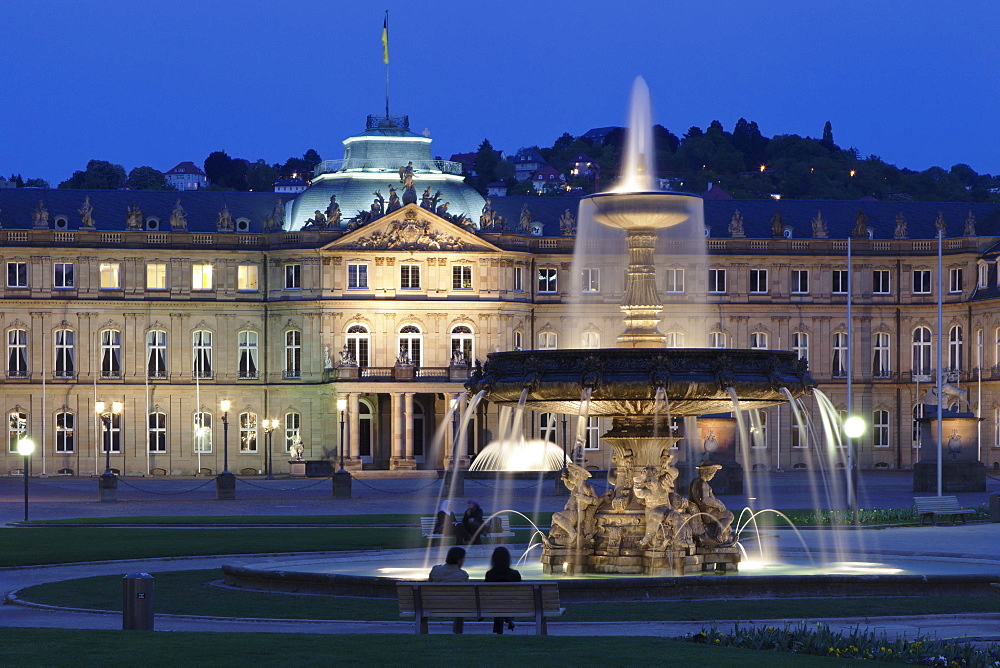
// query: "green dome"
[[372, 161]]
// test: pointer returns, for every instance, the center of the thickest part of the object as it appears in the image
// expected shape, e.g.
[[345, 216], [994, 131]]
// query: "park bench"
[[932, 506], [498, 528], [423, 600]]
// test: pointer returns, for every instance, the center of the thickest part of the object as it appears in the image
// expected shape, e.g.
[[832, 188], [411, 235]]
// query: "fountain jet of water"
[[638, 172]]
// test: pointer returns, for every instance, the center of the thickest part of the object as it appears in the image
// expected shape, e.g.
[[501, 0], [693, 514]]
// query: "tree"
[[487, 162], [827, 139], [34, 183], [99, 175], [147, 178], [312, 157], [217, 166], [261, 176]]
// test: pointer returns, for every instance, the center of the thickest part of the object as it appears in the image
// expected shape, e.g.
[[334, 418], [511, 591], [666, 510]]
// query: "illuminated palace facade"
[[172, 302]]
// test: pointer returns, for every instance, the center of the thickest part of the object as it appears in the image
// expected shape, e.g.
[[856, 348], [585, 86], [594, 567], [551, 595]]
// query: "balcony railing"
[[291, 374], [16, 373]]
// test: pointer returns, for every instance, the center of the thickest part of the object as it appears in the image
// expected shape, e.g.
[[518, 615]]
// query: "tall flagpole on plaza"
[[940, 362], [385, 59]]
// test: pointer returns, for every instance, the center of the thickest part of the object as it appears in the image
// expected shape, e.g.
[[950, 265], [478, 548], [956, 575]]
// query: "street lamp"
[[24, 448], [225, 482], [341, 407], [854, 427], [270, 426], [107, 484], [342, 478]]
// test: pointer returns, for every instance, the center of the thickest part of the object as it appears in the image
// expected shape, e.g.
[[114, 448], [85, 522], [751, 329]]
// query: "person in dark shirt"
[[472, 521], [500, 571]]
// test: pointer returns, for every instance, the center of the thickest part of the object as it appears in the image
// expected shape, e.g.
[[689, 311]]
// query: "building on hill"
[[290, 186], [548, 179], [598, 135], [526, 162], [496, 189], [186, 176], [172, 302], [468, 161]]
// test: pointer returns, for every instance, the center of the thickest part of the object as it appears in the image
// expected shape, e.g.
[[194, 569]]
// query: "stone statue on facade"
[[425, 199], [297, 448], [736, 225], [940, 225], [574, 526], [458, 358], [133, 218], [860, 230], [777, 225], [333, 212], [667, 525], [393, 200], [487, 219], [433, 202], [275, 220], [567, 223], [524, 222], [178, 219], [970, 225], [40, 216], [347, 357], [715, 517], [901, 231], [403, 359], [819, 226], [87, 213], [224, 223], [443, 209], [378, 205], [327, 361], [406, 176]]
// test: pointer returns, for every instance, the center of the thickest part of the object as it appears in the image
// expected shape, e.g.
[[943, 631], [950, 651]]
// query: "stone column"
[[354, 429], [396, 453]]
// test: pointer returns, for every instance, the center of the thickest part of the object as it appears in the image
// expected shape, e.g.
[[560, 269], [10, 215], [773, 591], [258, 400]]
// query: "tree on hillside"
[[261, 176], [99, 175], [147, 178], [35, 183]]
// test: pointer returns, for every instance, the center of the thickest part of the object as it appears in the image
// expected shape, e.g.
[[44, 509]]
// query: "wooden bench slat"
[[426, 600], [932, 506]]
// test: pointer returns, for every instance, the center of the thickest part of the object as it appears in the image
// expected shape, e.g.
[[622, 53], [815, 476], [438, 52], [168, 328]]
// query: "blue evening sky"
[[143, 83]]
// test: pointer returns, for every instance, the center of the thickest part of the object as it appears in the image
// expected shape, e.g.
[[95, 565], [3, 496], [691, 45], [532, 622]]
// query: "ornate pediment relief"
[[412, 229]]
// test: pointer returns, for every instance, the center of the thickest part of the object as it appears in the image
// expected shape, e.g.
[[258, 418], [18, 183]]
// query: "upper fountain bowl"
[[643, 210]]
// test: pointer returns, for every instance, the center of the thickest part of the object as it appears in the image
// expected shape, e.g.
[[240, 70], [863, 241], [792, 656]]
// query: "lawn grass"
[[74, 648], [190, 592]]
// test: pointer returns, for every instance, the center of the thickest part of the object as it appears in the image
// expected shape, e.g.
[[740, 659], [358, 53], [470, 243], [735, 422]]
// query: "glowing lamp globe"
[[25, 447], [854, 427]]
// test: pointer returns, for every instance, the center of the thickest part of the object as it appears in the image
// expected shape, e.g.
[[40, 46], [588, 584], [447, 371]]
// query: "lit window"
[[201, 277], [17, 429], [590, 280], [156, 276], [17, 274], [293, 276], [547, 280], [157, 434], [293, 428], [110, 276], [248, 432], [675, 280], [461, 277], [64, 432], [357, 277], [246, 278], [62, 276], [409, 277], [590, 340], [202, 432], [547, 340], [247, 343]]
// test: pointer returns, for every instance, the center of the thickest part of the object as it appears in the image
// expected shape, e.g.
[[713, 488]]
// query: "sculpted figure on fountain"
[[668, 525], [715, 517], [573, 526]]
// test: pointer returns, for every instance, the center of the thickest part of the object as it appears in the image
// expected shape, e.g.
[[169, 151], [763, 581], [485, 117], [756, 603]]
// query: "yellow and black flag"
[[385, 39]]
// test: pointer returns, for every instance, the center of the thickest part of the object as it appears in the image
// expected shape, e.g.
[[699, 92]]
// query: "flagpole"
[[385, 57]]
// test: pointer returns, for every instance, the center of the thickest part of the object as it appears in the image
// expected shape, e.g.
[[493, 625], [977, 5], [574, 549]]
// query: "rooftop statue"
[[488, 217], [901, 231], [406, 176], [87, 213], [940, 225], [425, 199], [525, 221], [393, 200], [40, 216], [970, 225], [378, 205], [819, 226], [333, 212], [860, 230], [777, 225], [275, 220], [225, 220], [567, 223], [736, 225], [178, 219], [443, 209], [317, 221], [133, 218]]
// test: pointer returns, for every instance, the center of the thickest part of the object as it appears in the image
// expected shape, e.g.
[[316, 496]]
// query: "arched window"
[[758, 340], [247, 341], [547, 427], [517, 341], [64, 432], [293, 428], [409, 343], [17, 428], [202, 341], [157, 434], [881, 355], [839, 362], [674, 339], [461, 342], [880, 429], [800, 345], [248, 432], [111, 353], [17, 353], [65, 365], [156, 353], [918, 412], [547, 341], [921, 351], [202, 432], [955, 348], [358, 344], [293, 354], [716, 339], [590, 340]]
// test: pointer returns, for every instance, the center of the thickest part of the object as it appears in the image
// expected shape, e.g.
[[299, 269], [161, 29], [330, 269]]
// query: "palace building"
[[388, 279]]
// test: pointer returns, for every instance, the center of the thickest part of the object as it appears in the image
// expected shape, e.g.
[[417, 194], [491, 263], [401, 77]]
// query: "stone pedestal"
[[107, 487], [342, 484], [957, 476], [348, 372], [403, 372], [402, 463], [297, 468], [225, 486], [459, 483]]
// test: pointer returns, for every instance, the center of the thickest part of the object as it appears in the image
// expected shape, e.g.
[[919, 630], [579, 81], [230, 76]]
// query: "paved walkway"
[[977, 544]]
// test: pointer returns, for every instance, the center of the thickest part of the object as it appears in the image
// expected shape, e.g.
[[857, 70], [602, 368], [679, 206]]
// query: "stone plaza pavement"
[[53, 498]]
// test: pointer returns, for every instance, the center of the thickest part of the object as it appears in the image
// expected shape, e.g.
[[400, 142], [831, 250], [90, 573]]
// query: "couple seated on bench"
[[471, 527], [500, 571]]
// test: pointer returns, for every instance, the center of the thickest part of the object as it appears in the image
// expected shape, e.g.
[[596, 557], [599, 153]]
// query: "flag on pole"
[[385, 39]]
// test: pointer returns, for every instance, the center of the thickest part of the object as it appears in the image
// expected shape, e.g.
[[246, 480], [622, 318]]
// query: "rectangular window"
[[64, 432], [17, 274], [800, 345], [111, 353], [881, 355], [518, 340], [202, 432], [518, 279], [675, 280], [758, 341], [880, 282], [202, 343], [839, 361], [984, 275], [593, 441], [65, 366], [716, 340], [293, 354], [201, 277], [921, 282], [716, 281], [409, 277], [248, 432], [357, 277], [547, 280], [293, 427], [156, 276], [110, 276], [248, 355], [758, 281], [111, 433], [461, 277], [246, 278], [880, 429], [800, 281], [839, 281], [156, 354], [954, 280], [157, 435], [16, 430], [17, 353], [62, 276], [547, 427], [590, 280], [547, 341], [293, 276]]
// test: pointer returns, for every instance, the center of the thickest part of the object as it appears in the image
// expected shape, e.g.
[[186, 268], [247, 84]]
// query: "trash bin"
[[995, 508], [137, 602]]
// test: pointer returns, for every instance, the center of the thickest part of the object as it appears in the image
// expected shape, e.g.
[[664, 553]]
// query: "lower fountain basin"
[[624, 382]]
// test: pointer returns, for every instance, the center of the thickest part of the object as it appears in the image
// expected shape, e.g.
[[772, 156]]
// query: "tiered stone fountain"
[[643, 524]]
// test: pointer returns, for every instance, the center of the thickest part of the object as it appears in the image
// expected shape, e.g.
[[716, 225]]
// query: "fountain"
[[642, 525]]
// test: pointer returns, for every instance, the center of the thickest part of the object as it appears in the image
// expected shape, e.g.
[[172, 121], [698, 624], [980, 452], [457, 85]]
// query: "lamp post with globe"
[[25, 447], [854, 427], [269, 427], [225, 482], [107, 484], [342, 478]]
